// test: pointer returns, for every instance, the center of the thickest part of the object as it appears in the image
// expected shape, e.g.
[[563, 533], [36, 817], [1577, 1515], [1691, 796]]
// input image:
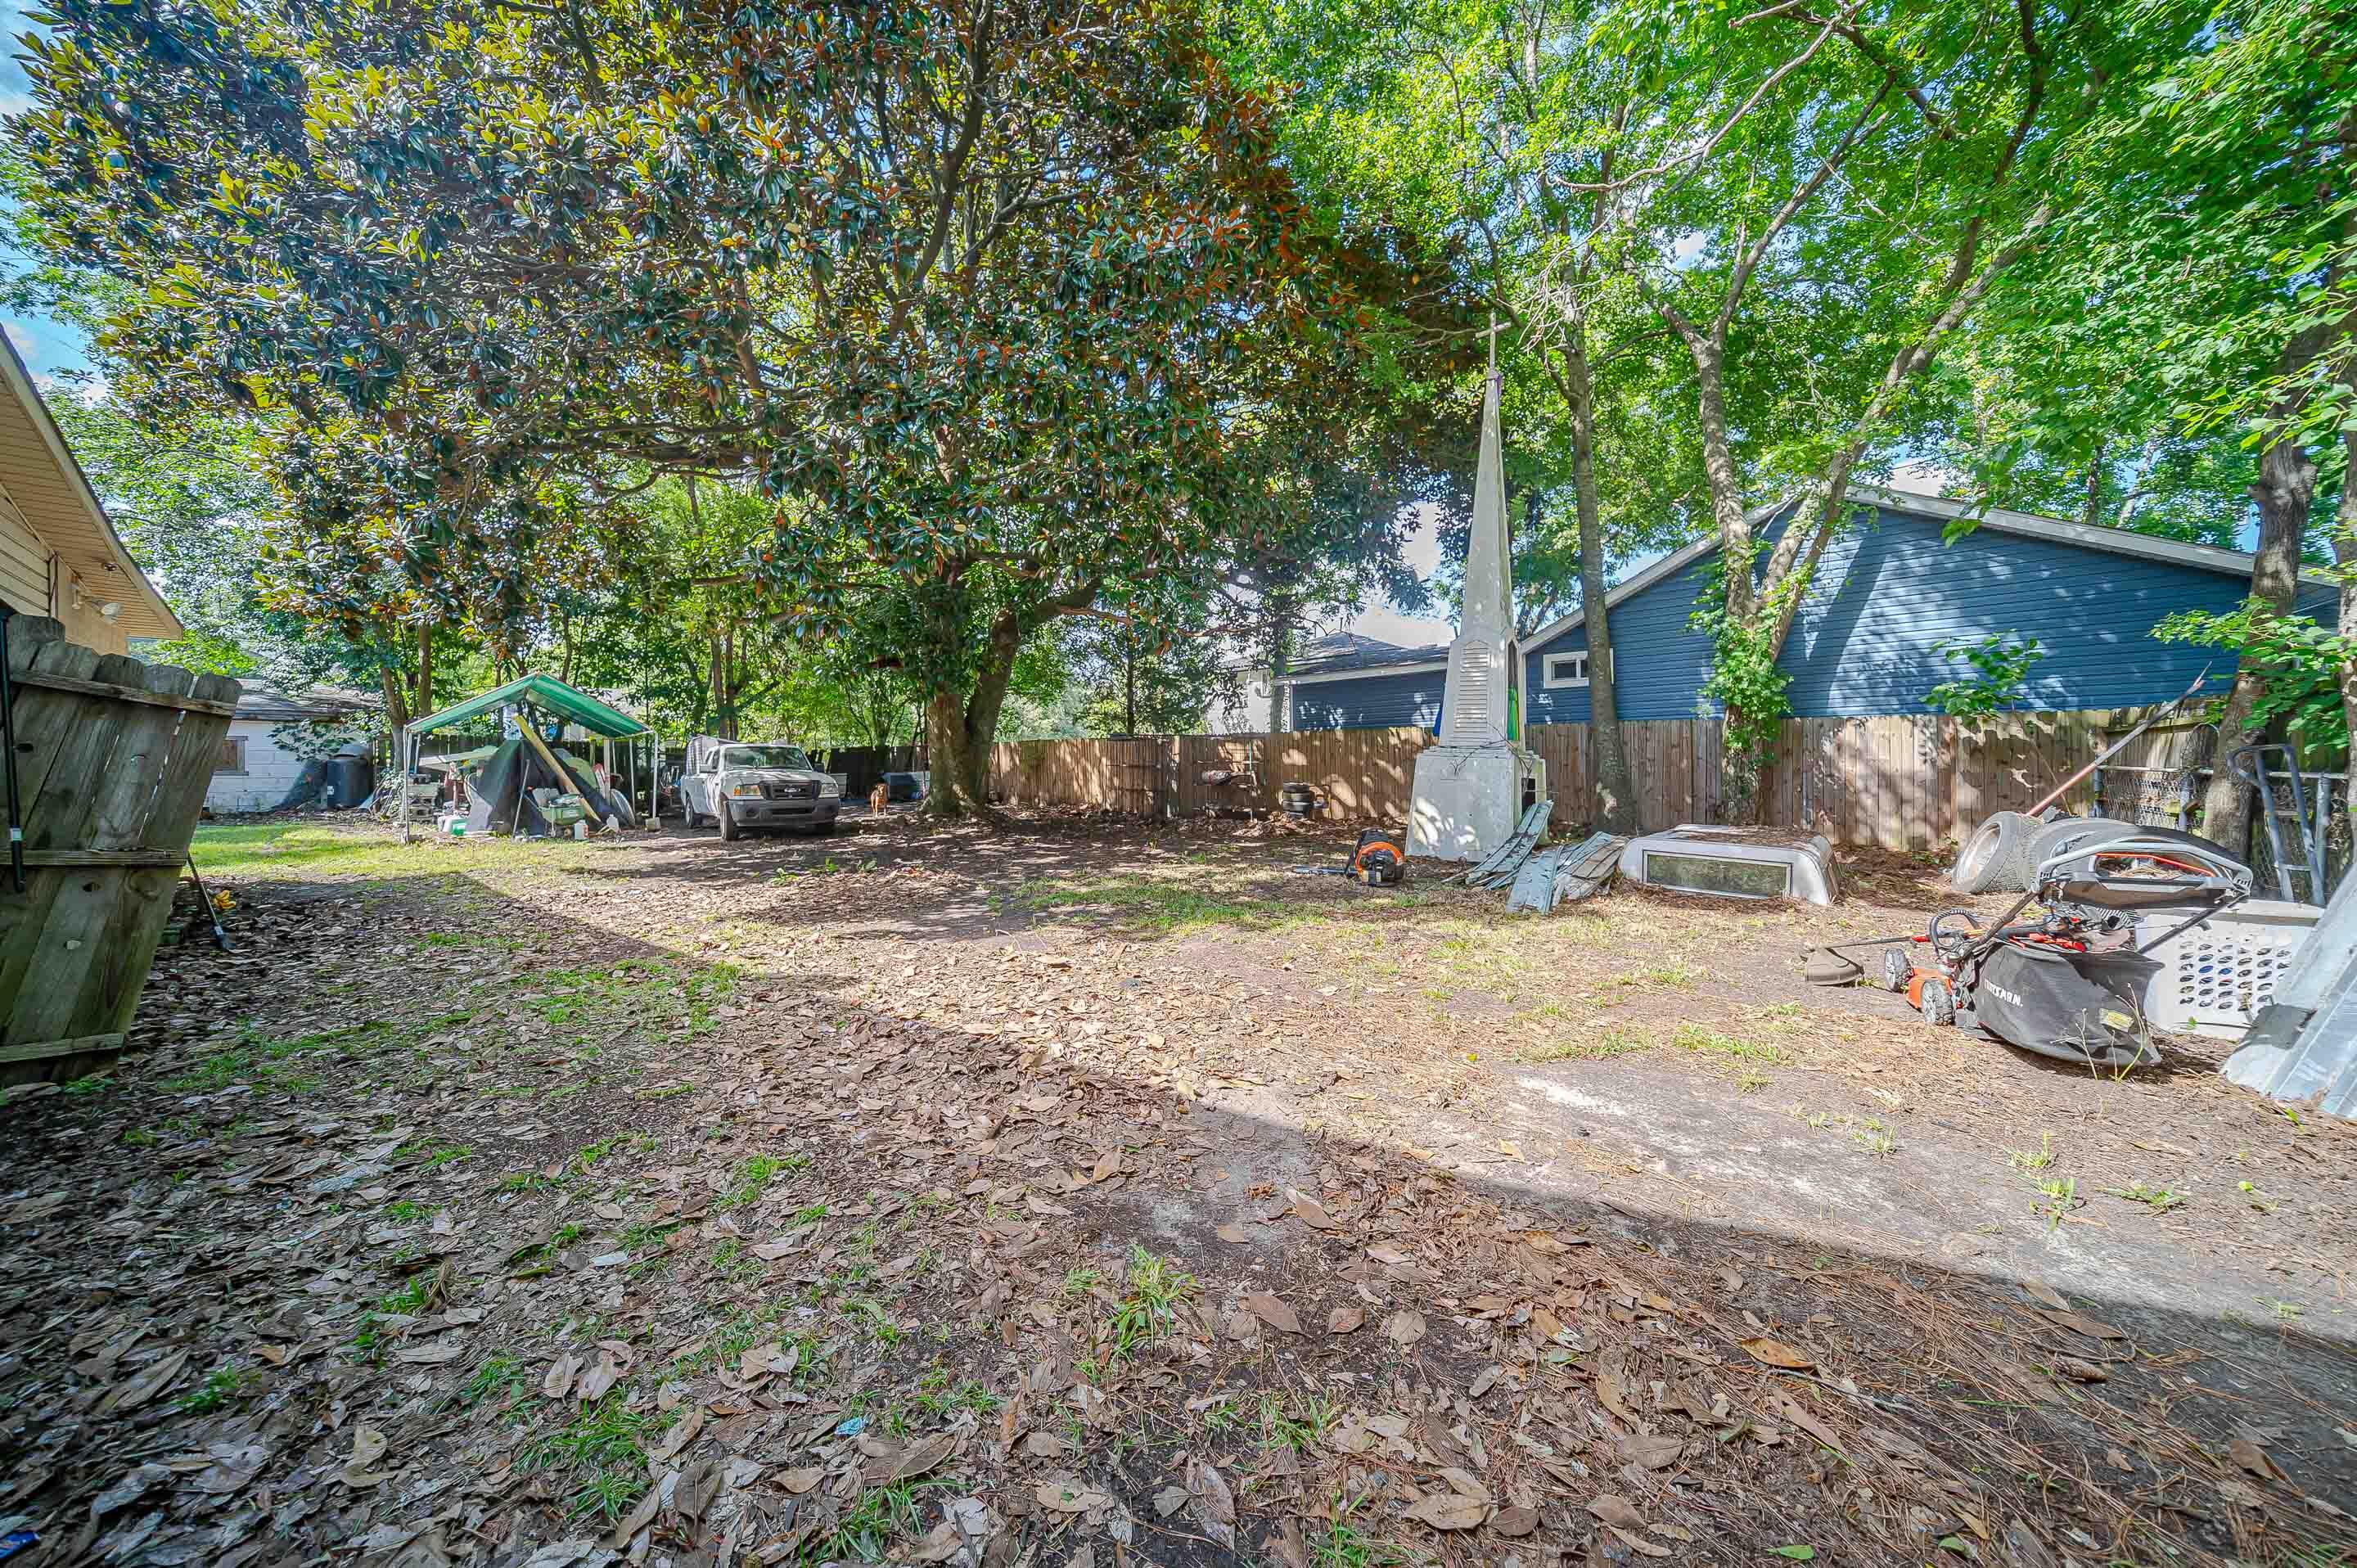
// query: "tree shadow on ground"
[[1572, 1341]]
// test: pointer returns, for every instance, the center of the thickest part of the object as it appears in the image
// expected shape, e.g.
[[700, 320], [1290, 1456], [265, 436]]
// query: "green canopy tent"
[[535, 694]]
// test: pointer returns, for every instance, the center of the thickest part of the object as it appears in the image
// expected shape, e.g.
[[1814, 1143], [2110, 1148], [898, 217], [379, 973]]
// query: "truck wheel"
[[729, 832]]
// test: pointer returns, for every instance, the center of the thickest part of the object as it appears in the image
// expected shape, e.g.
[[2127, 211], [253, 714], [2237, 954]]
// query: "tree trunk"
[[1726, 484], [960, 727], [422, 698], [2287, 487], [2344, 553], [1616, 795], [396, 703]]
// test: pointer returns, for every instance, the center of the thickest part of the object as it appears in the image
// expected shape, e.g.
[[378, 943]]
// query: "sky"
[[47, 347]]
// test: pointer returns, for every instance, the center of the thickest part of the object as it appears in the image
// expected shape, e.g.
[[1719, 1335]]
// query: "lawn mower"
[[1376, 861], [2069, 984]]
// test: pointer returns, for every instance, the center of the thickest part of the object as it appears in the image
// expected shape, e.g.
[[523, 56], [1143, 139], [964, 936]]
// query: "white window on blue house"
[[1566, 669]]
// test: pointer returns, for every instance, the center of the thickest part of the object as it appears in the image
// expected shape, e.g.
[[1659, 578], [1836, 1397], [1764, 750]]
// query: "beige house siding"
[[24, 563]]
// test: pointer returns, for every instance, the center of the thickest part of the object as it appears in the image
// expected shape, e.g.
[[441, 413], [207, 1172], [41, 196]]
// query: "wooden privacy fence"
[[1905, 781], [113, 758]]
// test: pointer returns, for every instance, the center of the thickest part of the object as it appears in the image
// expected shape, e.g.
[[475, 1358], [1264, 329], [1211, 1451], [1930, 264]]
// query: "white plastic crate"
[[2214, 977]]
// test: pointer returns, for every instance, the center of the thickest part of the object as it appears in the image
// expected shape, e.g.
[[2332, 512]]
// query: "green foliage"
[[2000, 663], [1744, 678], [319, 739], [1049, 330], [221, 1386], [2303, 662]]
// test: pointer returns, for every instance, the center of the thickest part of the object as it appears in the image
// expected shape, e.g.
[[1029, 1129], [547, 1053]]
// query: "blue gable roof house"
[[1866, 640]]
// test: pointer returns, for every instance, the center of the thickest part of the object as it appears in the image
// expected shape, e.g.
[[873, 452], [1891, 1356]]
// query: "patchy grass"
[[754, 1176], [220, 1386], [2029, 1160], [1735, 1047], [305, 851], [602, 1452], [1601, 1045], [1164, 909], [2159, 1200], [882, 1516], [1150, 1310]]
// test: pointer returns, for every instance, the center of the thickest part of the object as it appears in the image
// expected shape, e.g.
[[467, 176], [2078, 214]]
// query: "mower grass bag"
[[2076, 1007]]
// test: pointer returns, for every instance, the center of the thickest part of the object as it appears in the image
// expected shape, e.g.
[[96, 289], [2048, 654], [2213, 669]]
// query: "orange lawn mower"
[[2070, 983], [1377, 861]]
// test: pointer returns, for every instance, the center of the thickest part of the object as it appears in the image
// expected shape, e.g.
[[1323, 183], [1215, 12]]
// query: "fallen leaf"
[[1169, 1501], [1406, 1326], [1389, 1256], [1776, 1353], [917, 1459], [2045, 1294], [1618, 1511], [153, 1380], [1515, 1521], [2079, 1324], [1797, 1553], [1464, 1484], [1312, 1213], [235, 1467], [1655, 1453], [1062, 1494], [797, 1482], [1447, 1511], [432, 1353], [1214, 1504], [683, 1432], [558, 1380], [1272, 1311], [638, 1518], [2081, 1371], [1346, 1320], [1233, 1232], [2253, 1459], [1483, 1382]]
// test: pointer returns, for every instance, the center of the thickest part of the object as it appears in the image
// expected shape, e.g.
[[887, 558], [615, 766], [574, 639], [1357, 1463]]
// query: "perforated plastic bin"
[[2214, 977]]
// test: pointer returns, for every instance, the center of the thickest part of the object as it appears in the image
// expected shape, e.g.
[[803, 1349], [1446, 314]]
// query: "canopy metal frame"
[[562, 702]]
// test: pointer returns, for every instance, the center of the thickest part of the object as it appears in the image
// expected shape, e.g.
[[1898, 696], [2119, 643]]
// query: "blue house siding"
[[1371, 701], [1866, 639]]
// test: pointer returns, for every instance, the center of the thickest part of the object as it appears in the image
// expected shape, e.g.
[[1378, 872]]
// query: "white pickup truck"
[[748, 786]]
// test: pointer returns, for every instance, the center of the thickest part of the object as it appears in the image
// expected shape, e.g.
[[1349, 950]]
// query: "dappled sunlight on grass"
[[300, 850], [1165, 908]]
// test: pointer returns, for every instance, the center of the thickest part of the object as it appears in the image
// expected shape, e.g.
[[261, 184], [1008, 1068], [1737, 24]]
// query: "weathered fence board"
[[1902, 782], [113, 759]]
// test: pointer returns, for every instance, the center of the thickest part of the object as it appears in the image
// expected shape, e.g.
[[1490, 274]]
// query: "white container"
[[1734, 863], [2213, 978]]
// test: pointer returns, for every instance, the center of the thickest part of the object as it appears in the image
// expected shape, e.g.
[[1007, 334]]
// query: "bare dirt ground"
[[1087, 1194]]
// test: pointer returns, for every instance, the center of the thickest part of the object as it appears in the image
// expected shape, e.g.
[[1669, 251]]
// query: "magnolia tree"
[[987, 296]]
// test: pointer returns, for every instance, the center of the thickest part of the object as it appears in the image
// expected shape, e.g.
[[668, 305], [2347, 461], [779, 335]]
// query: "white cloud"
[[24, 340]]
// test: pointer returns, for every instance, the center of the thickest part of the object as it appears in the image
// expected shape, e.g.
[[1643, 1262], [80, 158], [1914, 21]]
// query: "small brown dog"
[[876, 799]]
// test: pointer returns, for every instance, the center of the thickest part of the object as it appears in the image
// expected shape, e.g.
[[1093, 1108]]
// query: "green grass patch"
[[602, 1454], [1599, 1044], [1735, 1047], [1165, 908]]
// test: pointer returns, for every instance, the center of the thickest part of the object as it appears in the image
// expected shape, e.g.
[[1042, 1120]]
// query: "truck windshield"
[[735, 757]]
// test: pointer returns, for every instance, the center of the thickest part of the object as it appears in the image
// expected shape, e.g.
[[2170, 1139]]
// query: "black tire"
[[729, 832], [1993, 856], [1897, 970], [1939, 1004]]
